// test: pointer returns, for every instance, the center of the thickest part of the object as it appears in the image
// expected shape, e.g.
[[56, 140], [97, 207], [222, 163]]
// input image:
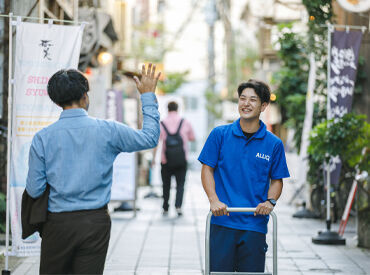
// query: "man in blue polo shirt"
[[243, 166]]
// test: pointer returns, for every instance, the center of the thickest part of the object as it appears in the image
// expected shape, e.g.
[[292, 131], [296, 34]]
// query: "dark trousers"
[[236, 250], [180, 174], [75, 242]]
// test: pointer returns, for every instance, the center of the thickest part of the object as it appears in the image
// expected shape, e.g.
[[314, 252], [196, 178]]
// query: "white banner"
[[124, 178], [307, 127], [41, 50], [124, 166]]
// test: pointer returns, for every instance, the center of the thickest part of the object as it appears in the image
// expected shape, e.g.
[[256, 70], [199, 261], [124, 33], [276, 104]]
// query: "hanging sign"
[[124, 170], [343, 68], [41, 50], [355, 5]]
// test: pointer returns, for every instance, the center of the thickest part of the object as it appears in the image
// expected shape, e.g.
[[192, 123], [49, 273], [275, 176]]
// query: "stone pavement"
[[152, 244]]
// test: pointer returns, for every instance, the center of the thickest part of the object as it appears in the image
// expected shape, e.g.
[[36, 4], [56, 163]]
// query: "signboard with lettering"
[[343, 68], [355, 5], [41, 50], [124, 168]]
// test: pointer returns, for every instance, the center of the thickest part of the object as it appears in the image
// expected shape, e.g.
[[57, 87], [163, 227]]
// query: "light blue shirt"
[[75, 156]]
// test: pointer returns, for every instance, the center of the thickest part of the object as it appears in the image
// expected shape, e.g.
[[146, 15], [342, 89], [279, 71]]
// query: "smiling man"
[[243, 166]]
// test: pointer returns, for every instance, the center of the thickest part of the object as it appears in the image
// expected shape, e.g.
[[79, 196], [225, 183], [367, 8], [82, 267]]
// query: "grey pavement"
[[152, 244]]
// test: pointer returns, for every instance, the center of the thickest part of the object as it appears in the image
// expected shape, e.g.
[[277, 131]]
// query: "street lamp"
[[104, 58]]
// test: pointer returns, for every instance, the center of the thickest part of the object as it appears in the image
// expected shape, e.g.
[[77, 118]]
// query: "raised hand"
[[148, 80]]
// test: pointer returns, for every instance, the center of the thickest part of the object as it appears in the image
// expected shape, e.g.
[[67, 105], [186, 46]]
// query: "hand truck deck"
[[274, 244]]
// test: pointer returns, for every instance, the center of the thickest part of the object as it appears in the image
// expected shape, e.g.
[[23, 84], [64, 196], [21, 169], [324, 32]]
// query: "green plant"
[[345, 137], [320, 13], [148, 42], [172, 82], [291, 79]]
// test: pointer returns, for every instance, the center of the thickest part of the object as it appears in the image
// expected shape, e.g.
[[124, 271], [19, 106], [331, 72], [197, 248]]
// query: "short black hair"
[[67, 86], [172, 106], [260, 88]]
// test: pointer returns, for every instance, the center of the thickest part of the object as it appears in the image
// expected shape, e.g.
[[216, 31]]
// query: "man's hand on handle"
[[264, 208], [148, 80], [218, 208]]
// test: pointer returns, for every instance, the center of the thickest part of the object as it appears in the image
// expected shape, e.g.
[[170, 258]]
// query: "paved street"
[[152, 244]]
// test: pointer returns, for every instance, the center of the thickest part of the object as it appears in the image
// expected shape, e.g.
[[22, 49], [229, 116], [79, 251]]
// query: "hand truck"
[[274, 244]]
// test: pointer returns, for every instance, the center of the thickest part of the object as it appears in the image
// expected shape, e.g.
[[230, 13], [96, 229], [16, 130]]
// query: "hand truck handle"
[[243, 209]]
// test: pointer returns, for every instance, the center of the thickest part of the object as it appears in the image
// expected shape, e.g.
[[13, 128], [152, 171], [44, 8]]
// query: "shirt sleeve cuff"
[[149, 99]]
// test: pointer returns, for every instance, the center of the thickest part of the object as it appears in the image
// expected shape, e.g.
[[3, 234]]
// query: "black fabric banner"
[[343, 68]]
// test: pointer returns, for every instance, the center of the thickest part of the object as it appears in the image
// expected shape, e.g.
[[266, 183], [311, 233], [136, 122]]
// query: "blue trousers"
[[233, 250]]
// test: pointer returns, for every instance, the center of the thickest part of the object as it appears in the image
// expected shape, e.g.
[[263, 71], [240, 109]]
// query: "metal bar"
[[328, 116], [206, 260], [44, 19], [41, 10], [239, 273], [328, 218], [75, 11], [274, 244], [330, 28], [10, 104], [357, 27], [240, 209]]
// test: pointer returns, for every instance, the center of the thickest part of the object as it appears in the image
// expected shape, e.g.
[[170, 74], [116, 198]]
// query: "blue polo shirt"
[[242, 171]]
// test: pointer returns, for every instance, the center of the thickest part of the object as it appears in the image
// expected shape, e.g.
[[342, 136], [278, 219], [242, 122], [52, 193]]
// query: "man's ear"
[[264, 106]]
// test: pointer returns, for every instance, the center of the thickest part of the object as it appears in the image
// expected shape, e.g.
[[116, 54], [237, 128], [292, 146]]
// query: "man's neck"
[[250, 126], [73, 106]]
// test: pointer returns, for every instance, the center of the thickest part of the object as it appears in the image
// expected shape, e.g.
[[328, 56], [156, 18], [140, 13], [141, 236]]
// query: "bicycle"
[[338, 196]]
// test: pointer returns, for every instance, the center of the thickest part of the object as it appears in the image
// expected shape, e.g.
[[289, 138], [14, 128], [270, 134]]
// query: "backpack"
[[175, 153]]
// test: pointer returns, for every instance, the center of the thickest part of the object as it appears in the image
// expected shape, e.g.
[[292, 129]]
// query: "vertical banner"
[[41, 50], [343, 68], [307, 127], [123, 178]]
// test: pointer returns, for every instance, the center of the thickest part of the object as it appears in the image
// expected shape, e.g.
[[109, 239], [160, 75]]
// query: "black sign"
[[343, 68]]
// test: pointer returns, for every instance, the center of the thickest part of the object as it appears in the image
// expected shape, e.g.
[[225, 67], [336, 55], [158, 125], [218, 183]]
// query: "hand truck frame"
[[274, 245]]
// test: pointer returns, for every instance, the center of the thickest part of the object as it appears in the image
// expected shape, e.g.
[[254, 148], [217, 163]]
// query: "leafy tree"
[[292, 79], [172, 82]]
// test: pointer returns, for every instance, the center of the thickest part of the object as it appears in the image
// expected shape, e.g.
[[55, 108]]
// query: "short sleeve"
[[211, 149], [279, 168]]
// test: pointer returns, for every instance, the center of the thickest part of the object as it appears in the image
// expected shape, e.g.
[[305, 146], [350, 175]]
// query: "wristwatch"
[[272, 201]]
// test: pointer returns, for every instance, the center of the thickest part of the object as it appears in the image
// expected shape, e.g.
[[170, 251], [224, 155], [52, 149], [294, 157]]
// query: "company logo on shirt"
[[263, 156]]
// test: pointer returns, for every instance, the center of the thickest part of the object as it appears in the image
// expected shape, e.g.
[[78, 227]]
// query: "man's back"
[[78, 153]]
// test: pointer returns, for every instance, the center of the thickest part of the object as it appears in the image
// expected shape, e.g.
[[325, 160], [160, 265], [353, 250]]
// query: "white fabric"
[[41, 50]]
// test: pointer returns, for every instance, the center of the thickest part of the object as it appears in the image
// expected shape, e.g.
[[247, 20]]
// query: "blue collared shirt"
[[75, 156], [243, 169]]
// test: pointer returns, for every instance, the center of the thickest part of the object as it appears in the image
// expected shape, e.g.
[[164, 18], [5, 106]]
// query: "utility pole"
[[211, 17]]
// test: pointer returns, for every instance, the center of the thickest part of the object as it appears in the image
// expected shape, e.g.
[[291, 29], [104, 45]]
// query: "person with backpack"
[[175, 134]]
